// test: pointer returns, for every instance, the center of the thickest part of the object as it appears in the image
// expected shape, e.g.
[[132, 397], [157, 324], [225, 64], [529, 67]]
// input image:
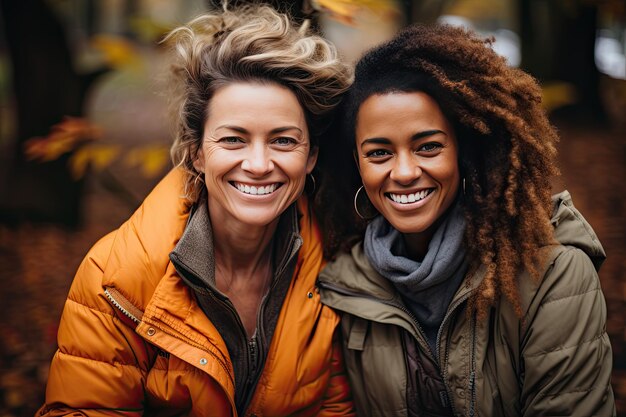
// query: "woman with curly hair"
[[470, 291], [203, 302]]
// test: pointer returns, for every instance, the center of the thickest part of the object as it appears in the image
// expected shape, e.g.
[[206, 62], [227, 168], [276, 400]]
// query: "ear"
[[198, 162], [312, 159]]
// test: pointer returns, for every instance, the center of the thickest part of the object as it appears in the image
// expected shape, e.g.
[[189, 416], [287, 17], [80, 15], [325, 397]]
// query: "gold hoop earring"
[[356, 205]]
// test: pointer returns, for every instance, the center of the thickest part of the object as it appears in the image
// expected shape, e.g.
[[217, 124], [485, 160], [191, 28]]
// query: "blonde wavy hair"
[[247, 44]]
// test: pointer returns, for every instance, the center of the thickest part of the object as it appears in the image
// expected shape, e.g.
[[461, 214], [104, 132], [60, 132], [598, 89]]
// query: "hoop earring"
[[356, 205], [314, 186]]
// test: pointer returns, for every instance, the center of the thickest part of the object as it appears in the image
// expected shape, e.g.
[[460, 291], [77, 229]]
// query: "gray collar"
[[194, 254]]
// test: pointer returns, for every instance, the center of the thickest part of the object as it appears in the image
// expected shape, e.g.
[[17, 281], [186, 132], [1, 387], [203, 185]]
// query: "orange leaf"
[[64, 137], [346, 11]]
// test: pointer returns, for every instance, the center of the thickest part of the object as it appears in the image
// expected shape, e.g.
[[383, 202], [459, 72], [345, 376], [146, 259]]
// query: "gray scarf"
[[427, 286]]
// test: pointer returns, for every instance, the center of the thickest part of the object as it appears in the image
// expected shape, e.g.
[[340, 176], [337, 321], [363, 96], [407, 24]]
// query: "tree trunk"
[[558, 41], [46, 88]]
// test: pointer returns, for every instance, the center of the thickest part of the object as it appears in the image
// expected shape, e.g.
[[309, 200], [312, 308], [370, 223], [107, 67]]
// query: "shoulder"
[[569, 273], [572, 272], [567, 306], [354, 272], [134, 257], [348, 268]]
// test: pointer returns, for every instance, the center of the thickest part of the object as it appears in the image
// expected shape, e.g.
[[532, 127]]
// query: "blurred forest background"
[[84, 134]]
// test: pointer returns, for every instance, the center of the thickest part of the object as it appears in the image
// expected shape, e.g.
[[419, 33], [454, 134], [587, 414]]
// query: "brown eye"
[[377, 153], [430, 147]]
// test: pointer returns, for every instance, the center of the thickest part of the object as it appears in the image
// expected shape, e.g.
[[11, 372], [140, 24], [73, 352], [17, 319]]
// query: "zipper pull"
[[253, 355]]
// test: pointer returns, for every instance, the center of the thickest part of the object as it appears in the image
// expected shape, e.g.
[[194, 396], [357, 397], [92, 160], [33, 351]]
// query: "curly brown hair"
[[507, 150]]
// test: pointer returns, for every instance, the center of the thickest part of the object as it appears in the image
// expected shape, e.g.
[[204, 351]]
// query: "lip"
[[256, 190], [420, 201]]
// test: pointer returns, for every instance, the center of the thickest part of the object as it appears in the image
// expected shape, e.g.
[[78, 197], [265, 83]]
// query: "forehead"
[[396, 112], [255, 101]]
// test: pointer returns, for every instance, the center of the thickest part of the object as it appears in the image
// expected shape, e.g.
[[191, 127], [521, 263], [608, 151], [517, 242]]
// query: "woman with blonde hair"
[[470, 291], [203, 303]]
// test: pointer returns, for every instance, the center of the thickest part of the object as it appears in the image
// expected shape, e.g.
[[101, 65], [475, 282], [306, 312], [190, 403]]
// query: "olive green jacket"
[[556, 360]]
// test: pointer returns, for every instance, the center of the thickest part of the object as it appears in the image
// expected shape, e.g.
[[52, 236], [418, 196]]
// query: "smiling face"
[[407, 155], [255, 153]]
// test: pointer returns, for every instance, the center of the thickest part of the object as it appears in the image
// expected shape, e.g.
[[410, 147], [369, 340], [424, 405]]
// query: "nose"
[[258, 161], [406, 169]]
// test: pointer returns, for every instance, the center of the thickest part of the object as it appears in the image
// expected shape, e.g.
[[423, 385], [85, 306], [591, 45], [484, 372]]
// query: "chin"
[[406, 226], [259, 218]]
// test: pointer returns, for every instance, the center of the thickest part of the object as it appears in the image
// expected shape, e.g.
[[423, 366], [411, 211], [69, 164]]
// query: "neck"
[[241, 250], [417, 244]]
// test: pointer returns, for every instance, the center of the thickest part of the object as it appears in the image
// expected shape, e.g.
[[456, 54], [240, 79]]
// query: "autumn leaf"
[[117, 51], [97, 157], [64, 137], [151, 159], [148, 29], [78, 163], [345, 11]]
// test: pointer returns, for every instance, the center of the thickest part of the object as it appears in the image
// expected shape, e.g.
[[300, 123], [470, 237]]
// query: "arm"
[[337, 401], [566, 352], [100, 366]]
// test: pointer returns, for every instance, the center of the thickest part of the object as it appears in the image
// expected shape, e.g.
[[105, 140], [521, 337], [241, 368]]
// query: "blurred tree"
[[558, 43], [46, 88], [425, 11]]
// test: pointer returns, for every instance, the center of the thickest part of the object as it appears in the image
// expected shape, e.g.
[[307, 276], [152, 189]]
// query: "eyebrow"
[[273, 131], [417, 136]]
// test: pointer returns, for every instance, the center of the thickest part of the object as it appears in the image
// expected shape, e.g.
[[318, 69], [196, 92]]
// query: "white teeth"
[[253, 190], [409, 198]]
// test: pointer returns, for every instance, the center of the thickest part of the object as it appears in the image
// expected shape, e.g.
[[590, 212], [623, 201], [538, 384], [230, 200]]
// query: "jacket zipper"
[[123, 305], [253, 349], [473, 369], [256, 350], [444, 368], [136, 315], [402, 308]]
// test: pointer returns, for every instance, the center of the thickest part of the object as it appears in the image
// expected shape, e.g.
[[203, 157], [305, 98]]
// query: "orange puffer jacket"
[[163, 356]]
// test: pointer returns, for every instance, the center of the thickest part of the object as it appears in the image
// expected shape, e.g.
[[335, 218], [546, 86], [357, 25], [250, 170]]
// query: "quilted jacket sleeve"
[[101, 363], [565, 350], [337, 401]]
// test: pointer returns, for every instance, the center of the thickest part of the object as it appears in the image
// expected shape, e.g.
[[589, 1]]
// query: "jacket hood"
[[571, 229]]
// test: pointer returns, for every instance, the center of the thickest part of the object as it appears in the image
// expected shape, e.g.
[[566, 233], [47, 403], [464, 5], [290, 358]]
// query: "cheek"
[[451, 179], [294, 164], [453, 173], [371, 175]]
